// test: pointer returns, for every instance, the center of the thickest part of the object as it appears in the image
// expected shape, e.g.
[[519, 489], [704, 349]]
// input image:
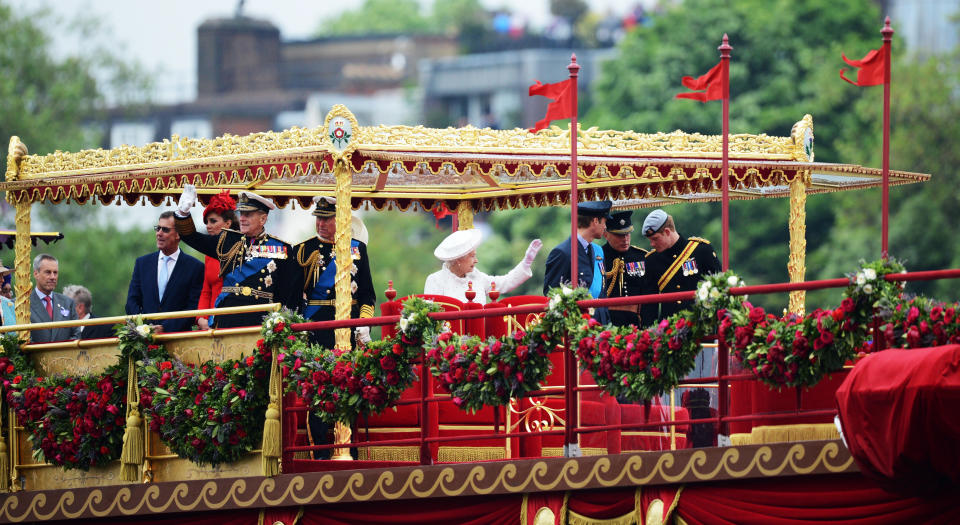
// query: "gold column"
[[465, 215], [22, 247], [802, 135], [798, 241], [342, 249]]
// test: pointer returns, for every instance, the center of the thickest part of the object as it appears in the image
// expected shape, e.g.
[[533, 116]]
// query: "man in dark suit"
[[83, 302], [591, 223], [47, 305], [167, 280]]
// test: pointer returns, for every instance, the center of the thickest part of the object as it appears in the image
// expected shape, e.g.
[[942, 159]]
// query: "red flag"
[[870, 72], [709, 85], [440, 212], [562, 105]]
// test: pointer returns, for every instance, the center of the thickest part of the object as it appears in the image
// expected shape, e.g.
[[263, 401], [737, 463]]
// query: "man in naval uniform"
[[318, 266], [676, 264], [256, 268], [315, 257], [625, 268], [591, 223]]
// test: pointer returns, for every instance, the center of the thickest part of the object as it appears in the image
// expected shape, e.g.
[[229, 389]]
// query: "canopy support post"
[[802, 135], [342, 251], [796, 266], [464, 215], [21, 259]]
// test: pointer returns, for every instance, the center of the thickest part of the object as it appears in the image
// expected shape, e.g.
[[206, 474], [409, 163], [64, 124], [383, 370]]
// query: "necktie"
[[49, 305], [162, 275]]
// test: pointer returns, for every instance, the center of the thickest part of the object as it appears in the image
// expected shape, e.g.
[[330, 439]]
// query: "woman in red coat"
[[217, 215]]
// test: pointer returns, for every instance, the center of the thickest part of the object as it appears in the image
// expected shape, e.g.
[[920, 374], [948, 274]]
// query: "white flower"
[[566, 291], [870, 274], [144, 330], [733, 281], [861, 278], [868, 288], [554, 301], [714, 294], [404, 322], [702, 293], [447, 327]]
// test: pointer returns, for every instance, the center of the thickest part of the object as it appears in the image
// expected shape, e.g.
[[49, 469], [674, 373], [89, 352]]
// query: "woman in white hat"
[[459, 255]]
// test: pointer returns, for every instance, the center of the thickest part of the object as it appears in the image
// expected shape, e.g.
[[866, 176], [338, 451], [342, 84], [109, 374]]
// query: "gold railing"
[[272, 307]]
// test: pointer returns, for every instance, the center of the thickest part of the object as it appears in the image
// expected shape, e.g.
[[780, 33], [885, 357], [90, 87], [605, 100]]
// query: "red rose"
[[249, 360], [388, 363], [166, 365]]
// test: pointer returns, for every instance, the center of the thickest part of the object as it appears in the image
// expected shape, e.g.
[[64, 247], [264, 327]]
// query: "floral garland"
[[639, 364], [78, 422], [922, 322], [478, 372], [794, 351], [213, 413], [340, 385]]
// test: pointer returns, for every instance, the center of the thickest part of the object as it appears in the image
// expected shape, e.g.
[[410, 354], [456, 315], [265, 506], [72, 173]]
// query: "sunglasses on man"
[[164, 229]]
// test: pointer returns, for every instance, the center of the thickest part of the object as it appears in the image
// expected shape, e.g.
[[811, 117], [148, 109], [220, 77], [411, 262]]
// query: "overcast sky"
[[162, 35]]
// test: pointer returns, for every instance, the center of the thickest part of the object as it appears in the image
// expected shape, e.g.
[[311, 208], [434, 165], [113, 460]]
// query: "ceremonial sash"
[[318, 296], [596, 287], [677, 264], [240, 274]]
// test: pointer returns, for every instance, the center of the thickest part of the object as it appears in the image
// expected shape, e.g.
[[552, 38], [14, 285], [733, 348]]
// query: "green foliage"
[[378, 17], [47, 97]]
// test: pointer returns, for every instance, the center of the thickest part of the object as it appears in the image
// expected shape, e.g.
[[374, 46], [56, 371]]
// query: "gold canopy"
[[402, 165]]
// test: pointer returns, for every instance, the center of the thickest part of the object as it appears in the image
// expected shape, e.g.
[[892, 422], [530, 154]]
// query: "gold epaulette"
[[645, 252], [651, 252], [698, 239], [230, 230]]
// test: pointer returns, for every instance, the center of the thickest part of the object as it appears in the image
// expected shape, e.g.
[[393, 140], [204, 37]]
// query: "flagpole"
[[571, 442], [725, 49], [887, 33], [574, 70]]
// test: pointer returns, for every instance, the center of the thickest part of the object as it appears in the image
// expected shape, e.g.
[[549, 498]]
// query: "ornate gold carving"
[[341, 436], [525, 476], [802, 135], [465, 215], [537, 417], [76, 362], [219, 348], [21, 263]]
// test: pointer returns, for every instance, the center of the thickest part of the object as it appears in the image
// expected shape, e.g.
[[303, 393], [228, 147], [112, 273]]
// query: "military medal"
[[271, 266]]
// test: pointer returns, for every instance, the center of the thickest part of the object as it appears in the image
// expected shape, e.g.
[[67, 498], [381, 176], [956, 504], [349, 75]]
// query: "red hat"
[[220, 203]]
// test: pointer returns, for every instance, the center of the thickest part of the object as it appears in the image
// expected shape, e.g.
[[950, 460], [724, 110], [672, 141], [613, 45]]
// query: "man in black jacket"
[[83, 303]]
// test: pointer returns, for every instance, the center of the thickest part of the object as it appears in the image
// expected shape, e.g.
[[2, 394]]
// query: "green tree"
[[784, 64], [378, 17]]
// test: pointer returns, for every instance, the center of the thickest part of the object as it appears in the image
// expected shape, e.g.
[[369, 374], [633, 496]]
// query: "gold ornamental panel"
[[45, 477], [85, 360], [177, 469], [201, 347]]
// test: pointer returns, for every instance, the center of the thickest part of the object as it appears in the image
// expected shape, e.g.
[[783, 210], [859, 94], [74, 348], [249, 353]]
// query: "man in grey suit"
[[47, 305]]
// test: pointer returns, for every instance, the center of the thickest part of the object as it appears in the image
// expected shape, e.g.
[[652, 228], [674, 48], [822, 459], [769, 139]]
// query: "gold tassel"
[[4, 465], [131, 457], [270, 449]]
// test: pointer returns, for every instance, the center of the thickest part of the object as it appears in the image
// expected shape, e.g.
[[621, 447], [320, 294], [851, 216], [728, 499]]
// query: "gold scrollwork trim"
[[520, 476]]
